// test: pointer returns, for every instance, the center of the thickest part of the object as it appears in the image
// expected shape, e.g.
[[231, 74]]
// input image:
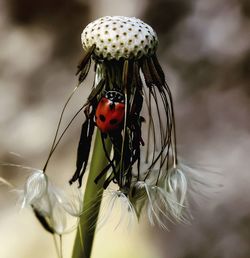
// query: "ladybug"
[[110, 111]]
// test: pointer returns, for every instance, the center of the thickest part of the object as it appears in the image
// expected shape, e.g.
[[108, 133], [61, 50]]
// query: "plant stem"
[[92, 201]]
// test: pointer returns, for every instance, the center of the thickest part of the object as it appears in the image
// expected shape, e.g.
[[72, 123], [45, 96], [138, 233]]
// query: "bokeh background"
[[205, 51]]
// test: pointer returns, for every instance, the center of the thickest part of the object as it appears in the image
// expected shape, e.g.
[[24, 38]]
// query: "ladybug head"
[[115, 96]]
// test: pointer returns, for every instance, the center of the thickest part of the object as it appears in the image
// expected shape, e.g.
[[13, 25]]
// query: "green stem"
[[92, 201]]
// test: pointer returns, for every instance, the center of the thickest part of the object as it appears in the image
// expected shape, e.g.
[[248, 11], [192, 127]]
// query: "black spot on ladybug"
[[102, 118], [112, 106], [113, 121]]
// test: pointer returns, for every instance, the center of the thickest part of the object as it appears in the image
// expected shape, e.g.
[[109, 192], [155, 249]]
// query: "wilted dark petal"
[[83, 151]]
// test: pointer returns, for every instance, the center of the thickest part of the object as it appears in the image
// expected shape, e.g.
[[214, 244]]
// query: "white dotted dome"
[[118, 37]]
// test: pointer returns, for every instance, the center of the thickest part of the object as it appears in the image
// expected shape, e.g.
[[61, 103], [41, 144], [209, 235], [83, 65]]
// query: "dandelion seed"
[[126, 211], [35, 187], [50, 204], [176, 187], [73, 203], [54, 207]]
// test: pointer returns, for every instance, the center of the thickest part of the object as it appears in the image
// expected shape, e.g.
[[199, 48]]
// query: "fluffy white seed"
[[118, 37], [35, 187]]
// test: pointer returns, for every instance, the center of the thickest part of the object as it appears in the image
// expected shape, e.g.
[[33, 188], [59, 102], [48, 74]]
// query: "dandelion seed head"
[[118, 37]]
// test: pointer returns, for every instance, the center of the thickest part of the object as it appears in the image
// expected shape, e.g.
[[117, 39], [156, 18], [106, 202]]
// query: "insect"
[[110, 111]]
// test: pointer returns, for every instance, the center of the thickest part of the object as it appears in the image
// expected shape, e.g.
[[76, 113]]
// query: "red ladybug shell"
[[110, 112]]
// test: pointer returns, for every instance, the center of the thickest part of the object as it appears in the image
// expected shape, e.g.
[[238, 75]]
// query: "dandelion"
[[131, 105], [130, 108]]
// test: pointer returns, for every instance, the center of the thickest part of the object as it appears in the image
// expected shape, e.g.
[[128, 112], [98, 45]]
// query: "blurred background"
[[205, 52]]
